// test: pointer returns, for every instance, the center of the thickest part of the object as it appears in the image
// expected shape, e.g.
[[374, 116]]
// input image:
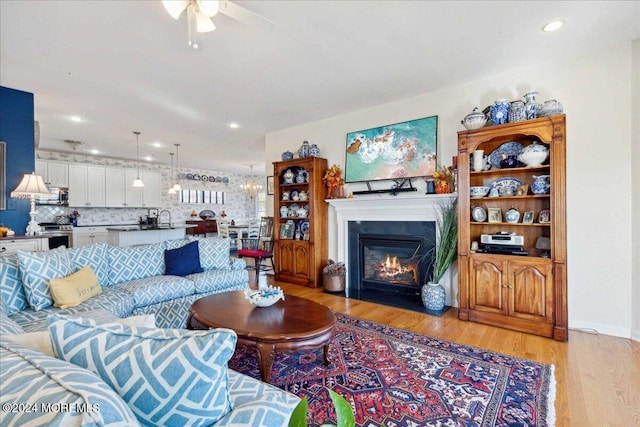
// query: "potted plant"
[[344, 414], [446, 251], [333, 276]]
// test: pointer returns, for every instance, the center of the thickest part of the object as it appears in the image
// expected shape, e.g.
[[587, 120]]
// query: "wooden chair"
[[259, 246], [223, 231]]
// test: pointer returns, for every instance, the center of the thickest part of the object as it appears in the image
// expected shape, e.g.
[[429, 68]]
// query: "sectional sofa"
[[133, 281]]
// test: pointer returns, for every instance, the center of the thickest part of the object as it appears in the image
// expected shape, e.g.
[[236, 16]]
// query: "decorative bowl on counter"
[[479, 191], [265, 297], [474, 120]]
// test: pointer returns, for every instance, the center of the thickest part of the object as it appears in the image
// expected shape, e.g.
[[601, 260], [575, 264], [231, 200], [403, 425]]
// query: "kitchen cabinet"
[[86, 186], [301, 221], [525, 293], [119, 190], [88, 235], [54, 174], [10, 246], [152, 191]]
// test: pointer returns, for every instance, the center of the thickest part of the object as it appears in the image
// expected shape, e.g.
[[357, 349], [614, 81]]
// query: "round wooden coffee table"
[[289, 325]]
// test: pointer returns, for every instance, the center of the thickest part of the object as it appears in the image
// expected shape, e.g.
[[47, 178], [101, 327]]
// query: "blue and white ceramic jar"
[[304, 149], [531, 105], [314, 151], [517, 112], [541, 184], [512, 216], [499, 112], [287, 155], [433, 296]]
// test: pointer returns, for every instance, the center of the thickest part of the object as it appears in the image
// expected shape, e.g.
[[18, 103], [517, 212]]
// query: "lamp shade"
[[175, 7], [31, 185]]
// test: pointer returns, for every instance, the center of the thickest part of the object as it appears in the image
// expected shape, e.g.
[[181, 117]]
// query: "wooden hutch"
[[300, 258], [523, 293]]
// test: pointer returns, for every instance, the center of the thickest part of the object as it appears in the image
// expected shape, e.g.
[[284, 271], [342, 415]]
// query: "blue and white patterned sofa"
[[133, 282]]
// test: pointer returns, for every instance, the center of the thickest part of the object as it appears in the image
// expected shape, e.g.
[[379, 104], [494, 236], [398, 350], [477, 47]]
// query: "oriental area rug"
[[397, 378]]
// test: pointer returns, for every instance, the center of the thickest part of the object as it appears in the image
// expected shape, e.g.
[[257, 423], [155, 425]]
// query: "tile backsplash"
[[237, 205]]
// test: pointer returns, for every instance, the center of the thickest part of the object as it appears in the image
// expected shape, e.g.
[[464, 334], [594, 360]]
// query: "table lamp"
[[31, 187]]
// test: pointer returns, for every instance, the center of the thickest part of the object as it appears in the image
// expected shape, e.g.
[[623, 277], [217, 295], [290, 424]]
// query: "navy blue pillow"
[[183, 261]]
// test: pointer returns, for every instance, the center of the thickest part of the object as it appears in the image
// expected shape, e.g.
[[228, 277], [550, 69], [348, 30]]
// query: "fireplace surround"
[[412, 209]]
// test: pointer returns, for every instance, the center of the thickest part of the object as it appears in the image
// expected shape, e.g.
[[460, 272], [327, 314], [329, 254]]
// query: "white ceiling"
[[125, 65]]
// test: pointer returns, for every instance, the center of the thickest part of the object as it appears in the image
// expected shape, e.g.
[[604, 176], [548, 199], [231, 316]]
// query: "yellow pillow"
[[74, 289]]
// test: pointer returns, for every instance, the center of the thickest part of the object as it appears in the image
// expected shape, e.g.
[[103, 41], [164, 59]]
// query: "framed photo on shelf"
[[270, 185], [544, 217], [494, 214], [286, 231], [522, 190], [527, 218]]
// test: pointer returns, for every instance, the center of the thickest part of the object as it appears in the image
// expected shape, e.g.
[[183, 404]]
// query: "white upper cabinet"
[[54, 174], [152, 193], [86, 186]]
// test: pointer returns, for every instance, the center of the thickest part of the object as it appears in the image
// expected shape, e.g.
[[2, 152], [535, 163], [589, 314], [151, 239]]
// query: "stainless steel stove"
[[58, 234]]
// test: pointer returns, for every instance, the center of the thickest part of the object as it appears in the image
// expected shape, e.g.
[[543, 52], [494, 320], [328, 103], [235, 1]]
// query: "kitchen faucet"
[[160, 215]]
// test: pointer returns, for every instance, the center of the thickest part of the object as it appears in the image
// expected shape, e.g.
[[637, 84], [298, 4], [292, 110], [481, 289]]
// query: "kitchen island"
[[136, 235]]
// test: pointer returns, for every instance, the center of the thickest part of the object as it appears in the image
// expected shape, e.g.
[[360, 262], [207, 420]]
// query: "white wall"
[[595, 92], [635, 156]]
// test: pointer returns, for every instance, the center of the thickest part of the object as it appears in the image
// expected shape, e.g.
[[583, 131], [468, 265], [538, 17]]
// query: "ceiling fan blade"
[[175, 7], [246, 16], [208, 7], [203, 23]]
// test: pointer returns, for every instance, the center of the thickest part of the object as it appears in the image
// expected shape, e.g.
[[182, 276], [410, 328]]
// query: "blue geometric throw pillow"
[[37, 268], [166, 376], [11, 284], [183, 261]]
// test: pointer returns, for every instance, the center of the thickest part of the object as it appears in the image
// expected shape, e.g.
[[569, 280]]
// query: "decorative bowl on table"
[[479, 191], [264, 297]]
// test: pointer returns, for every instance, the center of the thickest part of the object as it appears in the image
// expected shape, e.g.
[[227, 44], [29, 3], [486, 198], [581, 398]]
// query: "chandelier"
[[251, 188]]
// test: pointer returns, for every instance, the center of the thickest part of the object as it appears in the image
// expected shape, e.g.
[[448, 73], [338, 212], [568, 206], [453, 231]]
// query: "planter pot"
[[433, 296], [333, 283]]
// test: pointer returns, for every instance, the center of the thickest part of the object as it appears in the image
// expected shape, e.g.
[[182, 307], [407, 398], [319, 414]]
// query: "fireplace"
[[389, 260]]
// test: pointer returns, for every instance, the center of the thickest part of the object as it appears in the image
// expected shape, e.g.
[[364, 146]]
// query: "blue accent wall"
[[16, 129]]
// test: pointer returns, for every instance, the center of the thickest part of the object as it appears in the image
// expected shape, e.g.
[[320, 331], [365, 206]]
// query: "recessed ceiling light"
[[148, 158], [94, 151], [75, 119], [552, 26], [156, 144], [234, 125]]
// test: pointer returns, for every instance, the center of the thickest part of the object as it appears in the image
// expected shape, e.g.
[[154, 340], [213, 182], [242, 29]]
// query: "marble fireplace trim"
[[403, 207]]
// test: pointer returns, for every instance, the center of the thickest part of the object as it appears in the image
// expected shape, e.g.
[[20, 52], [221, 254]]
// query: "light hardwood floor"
[[597, 376]]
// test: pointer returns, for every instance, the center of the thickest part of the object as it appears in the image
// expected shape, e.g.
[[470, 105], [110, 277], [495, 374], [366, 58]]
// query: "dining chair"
[[223, 231], [259, 246]]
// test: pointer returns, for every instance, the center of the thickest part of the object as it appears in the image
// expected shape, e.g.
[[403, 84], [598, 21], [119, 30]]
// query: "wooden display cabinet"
[[300, 259], [524, 293]]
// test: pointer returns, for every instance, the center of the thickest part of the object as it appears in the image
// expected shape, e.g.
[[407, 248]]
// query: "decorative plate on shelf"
[[479, 214], [196, 177], [507, 149], [294, 195], [212, 178], [206, 214], [204, 178], [189, 176], [304, 226], [293, 208], [507, 185]]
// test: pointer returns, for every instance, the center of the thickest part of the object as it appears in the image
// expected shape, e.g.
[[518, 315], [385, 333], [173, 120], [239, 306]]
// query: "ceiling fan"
[[200, 12]]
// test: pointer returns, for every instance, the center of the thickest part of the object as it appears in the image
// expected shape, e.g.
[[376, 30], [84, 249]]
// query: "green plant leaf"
[[299, 414], [343, 410]]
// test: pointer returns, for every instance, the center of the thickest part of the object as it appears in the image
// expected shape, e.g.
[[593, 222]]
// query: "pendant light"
[[171, 189], [138, 182], [176, 186]]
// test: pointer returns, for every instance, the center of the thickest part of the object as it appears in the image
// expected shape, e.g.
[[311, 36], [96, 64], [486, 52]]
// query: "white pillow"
[[41, 340]]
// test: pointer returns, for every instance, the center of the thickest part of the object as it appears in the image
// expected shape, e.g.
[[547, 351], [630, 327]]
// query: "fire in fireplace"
[[388, 261]]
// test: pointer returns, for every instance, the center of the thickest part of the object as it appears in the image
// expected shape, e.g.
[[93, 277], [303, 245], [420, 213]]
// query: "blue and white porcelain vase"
[[433, 296], [314, 151], [304, 150], [499, 112], [287, 155], [531, 105]]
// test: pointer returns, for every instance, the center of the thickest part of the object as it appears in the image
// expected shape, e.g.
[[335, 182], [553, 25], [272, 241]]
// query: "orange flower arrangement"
[[332, 180], [443, 180]]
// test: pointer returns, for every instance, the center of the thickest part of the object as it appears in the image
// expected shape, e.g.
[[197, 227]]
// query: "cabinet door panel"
[[301, 259], [285, 258], [152, 193], [114, 187], [58, 174], [531, 291], [486, 291], [95, 186], [77, 186], [132, 195]]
